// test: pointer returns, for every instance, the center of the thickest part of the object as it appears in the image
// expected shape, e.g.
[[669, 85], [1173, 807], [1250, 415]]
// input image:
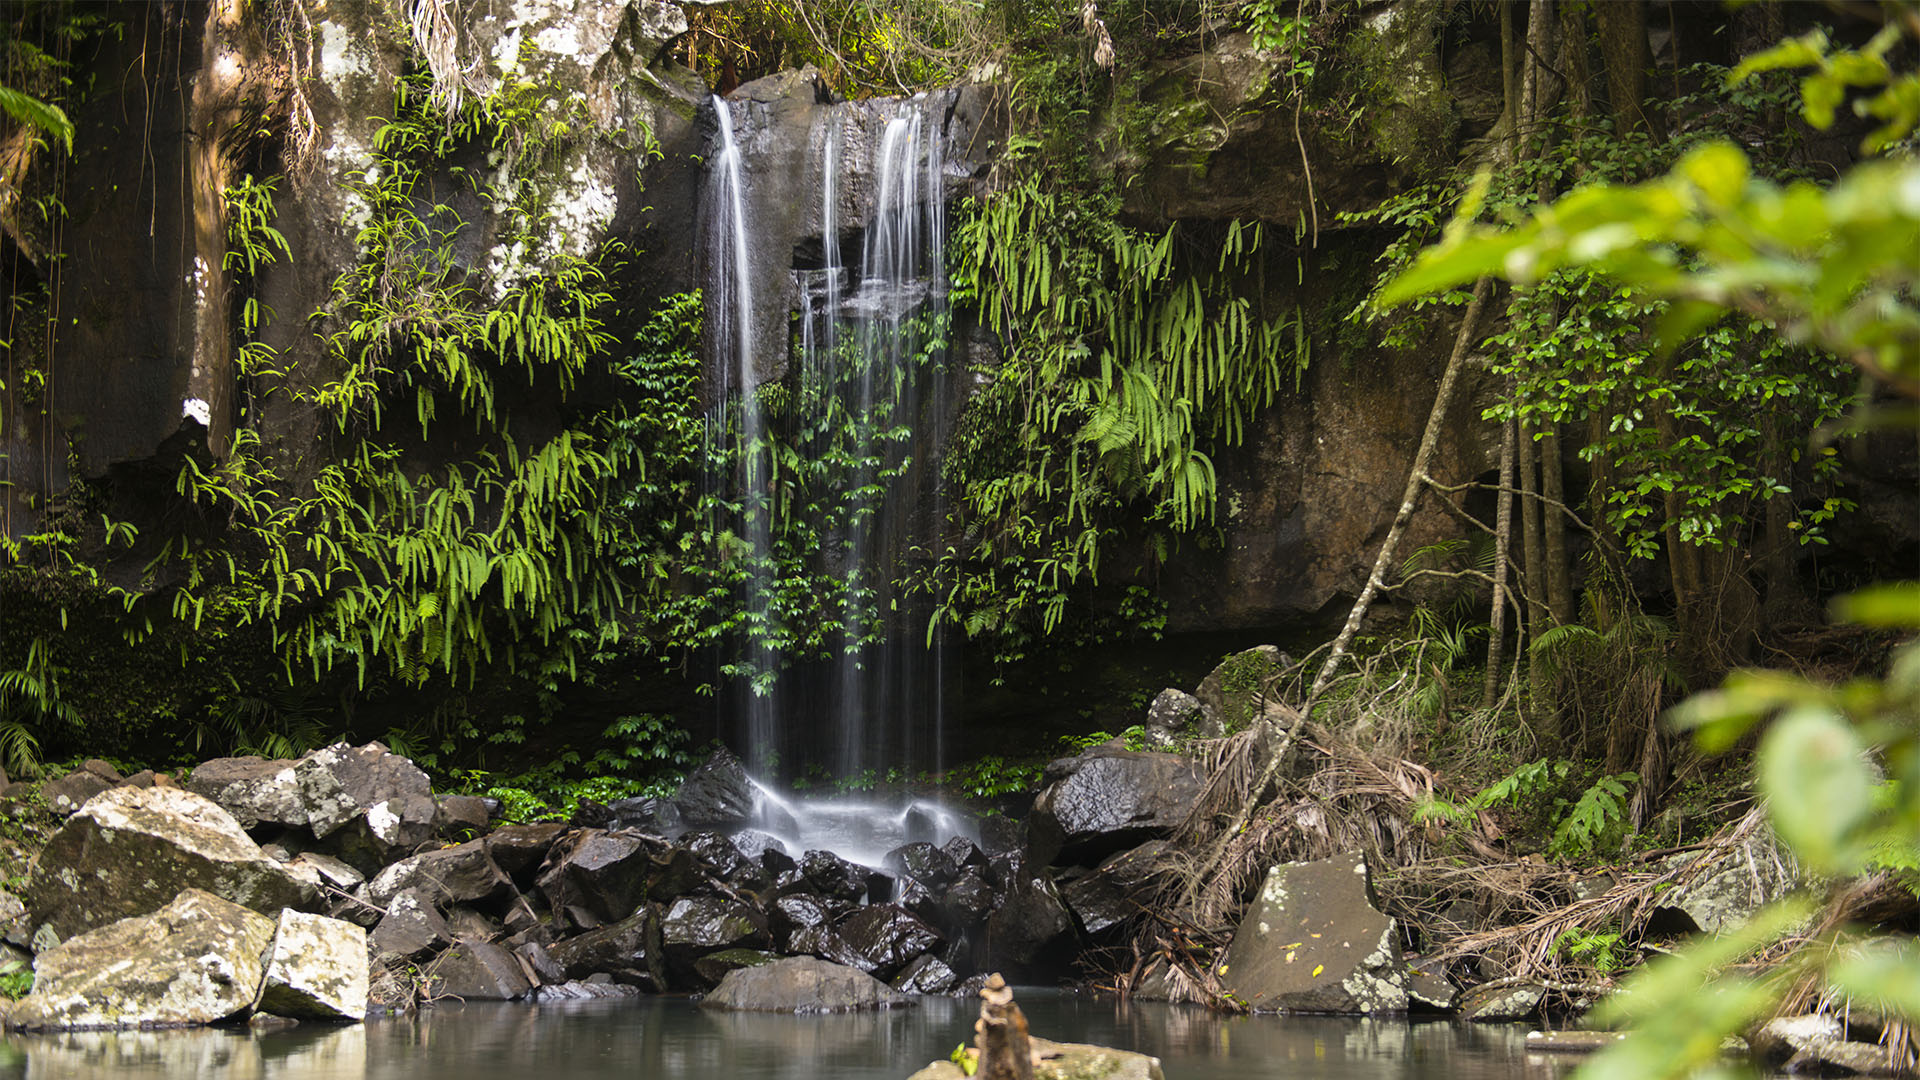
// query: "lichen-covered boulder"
[[461, 874], [1314, 942], [130, 850], [254, 790], [1500, 1002], [1108, 799], [316, 969], [373, 804], [1067, 1061], [412, 926], [69, 793], [802, 984], [477, 971], [195, 961]]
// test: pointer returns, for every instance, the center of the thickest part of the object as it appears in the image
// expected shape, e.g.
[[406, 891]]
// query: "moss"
[[1390, 78], [1242, 678]]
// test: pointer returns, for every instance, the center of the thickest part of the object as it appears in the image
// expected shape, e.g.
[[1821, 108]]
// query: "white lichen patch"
[[342, 55]]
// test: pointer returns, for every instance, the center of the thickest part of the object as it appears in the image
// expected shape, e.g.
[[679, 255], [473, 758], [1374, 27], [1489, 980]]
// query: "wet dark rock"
[[925, 974], [721, 858], [755, 844], [834, 877], [1108, 799], [697, 925], [1030, 933], [468, 924], [477, 971], [714, 967], [969, 988], [583, 991], [802, 985], [595, 877], [881, 886], [827, 944], [539, 964], [1113, 892], [921, 901], [802, 911], [1006, 867], [964, 853], [791, 883], [1313, 942], [588, 814], [659, 817], [460, 816], [461, 874], [718, 793], [886, 936], [999, 833], [929, 865], [412, 926], [518, 850], [967, 901], [628, 951]]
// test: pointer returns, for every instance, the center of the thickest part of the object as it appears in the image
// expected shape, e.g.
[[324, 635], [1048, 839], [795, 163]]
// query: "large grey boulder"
[[254, 790], [197, 960], [461, 874], [1726, 894], [1313, 942], [477, 971], [130, 850], [802, 984], [316, 969], [1067, 1061], [596, 877], [374, 804], [1108, 799]]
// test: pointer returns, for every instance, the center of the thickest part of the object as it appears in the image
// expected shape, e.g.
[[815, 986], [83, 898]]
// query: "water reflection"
[[673, 1039]]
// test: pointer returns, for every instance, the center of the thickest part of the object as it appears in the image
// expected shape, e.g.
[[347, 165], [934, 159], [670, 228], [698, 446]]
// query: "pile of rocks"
[[643, 895]]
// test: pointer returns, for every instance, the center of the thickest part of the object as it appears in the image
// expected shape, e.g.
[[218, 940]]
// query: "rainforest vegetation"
[[1642, 565]]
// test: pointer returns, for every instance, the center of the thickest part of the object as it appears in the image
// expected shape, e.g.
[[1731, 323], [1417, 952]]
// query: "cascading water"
[[736, 425], [868, 393]]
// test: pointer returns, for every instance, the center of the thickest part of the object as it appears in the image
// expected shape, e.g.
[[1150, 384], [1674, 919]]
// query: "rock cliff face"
[[145, 371]]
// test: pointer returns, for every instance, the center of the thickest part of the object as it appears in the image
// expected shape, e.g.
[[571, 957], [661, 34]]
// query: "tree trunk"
[[1560, 604], [1533, 583], [1623, 50], [1502, 549]]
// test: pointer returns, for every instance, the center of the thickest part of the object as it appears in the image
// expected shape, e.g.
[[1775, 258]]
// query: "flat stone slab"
[[1313, 942]]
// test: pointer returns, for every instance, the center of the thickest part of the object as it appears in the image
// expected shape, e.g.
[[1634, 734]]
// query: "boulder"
[[765, 849], [1108, 799], [197, 960], [539, 964], [826, 943], [1428, 988], [886, 936], [1030, 932], [659, 817], [477, 971], [1313, 942], [926, 974], [802, 984], [253, 789], [965, 853], [461, 874], [834, 877], [1175, 710], [923, 862], [69, 793], [316, 969], [461, 816], [718, 793], [697, 925], [370, 786], [1726, 894], [1232, 693], [627, 951], [966, 902], [412, 926], [720, 858], [1500, 1002], [597, 877], [1114, 892], [130, 850], [788, 915], [518, 850]]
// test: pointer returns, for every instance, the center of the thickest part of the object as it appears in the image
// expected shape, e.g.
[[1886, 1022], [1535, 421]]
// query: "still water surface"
[[674, 1039]]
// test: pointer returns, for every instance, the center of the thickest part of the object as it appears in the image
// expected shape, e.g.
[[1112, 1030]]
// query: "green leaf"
[[1894, 605], [33, 112], [1812, 768]]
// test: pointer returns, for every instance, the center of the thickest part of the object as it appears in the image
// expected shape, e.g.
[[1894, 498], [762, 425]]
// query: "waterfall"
[[866, 400], [736, 426]]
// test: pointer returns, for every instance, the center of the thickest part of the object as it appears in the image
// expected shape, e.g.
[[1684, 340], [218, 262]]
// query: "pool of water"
[[674, 1039]]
